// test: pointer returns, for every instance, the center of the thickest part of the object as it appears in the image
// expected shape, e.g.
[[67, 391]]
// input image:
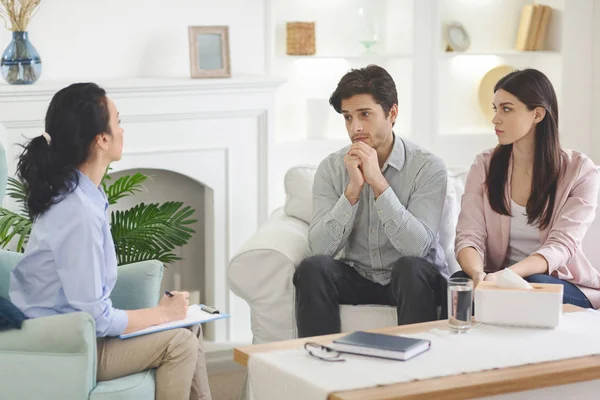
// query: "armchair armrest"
[[138, 285], [49, 358], [274, 251], [261, 273]]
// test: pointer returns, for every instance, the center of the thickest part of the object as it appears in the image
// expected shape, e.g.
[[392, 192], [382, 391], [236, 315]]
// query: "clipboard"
[[195, 316]]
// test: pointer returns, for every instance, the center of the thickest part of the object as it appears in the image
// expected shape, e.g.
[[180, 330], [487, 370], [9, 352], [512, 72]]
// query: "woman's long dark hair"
[[534, 89], [75, 116]]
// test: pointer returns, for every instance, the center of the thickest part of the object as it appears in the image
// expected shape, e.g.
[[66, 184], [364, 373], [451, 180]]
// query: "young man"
[[379, 200]]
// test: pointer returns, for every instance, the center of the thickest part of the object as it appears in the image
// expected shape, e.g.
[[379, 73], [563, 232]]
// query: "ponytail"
[[45, 178], [48, 164]]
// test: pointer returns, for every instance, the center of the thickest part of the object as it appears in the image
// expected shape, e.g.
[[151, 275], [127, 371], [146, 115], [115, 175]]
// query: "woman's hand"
[[169, 309], [478, 278], [174, 308], [490, 277]]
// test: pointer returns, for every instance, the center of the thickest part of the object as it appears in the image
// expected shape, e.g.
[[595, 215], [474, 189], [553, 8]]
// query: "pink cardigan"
[[574, 210]]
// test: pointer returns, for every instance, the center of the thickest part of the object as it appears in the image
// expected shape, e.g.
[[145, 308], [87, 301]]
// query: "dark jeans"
[[322, 284], [571, 293]]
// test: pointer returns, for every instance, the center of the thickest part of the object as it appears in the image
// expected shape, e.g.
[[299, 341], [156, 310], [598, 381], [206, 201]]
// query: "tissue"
[[511, 300], [508, 279]]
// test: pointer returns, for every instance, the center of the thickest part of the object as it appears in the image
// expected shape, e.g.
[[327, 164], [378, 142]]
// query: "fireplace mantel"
[[136, 86]]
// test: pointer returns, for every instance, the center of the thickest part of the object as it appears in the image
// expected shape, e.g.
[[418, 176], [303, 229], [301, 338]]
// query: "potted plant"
[[143, 232]]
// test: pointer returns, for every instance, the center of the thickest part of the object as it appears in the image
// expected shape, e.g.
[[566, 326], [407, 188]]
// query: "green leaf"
[[124, 186], [151, 230], [129, 255], [14, 225], [144, 232], [15, 189]]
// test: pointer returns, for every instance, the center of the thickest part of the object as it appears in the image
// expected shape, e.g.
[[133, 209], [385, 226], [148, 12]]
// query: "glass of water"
[[460, 304]]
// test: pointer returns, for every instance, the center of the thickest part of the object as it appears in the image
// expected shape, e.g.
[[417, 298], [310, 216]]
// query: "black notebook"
[[380, 345]]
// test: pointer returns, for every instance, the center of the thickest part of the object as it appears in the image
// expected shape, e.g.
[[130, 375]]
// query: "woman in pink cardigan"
[[528, 203]]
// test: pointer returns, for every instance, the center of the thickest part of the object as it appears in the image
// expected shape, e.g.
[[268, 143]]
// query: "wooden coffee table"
[[463, 386]]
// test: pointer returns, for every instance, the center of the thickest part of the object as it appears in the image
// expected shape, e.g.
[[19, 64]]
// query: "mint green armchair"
[[55, 357]]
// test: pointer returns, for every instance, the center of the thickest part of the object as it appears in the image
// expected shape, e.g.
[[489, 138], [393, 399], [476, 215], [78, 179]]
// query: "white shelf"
[[500, 53], [469, 132], [349, 56], [47, 87]]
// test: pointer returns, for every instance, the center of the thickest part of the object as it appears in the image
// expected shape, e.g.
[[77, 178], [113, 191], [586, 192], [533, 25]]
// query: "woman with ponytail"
[[70, 263], [528, 203]]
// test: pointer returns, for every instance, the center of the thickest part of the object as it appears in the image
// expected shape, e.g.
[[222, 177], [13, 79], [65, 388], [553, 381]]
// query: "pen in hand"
[[208, 309]]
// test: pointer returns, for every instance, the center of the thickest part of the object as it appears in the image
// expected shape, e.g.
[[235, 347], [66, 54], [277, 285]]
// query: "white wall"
[[577, 107], [139, 38]]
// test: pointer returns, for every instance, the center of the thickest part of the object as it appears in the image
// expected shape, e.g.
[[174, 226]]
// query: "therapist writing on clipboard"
[[70, 263]]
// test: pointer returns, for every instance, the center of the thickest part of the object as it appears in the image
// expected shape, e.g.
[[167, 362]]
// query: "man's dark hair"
[[372, 80]]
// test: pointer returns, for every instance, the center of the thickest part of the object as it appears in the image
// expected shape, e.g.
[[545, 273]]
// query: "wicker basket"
[[300, 38]]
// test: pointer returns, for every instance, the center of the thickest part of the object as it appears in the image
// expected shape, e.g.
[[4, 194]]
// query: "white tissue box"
[[538, 307]]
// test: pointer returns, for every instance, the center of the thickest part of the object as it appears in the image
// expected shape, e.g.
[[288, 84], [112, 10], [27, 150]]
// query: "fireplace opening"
[[189, 273]]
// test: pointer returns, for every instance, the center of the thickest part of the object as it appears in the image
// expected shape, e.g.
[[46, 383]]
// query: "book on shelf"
[[540, 41], [533, 27]]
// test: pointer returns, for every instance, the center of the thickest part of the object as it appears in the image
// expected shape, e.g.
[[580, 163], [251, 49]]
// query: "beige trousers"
[[177, 355]]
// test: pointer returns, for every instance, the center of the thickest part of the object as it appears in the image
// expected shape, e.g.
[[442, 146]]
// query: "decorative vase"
[[368, 29], [21, 63]]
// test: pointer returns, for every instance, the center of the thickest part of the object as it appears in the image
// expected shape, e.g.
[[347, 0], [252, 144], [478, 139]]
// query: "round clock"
[[456, 37]]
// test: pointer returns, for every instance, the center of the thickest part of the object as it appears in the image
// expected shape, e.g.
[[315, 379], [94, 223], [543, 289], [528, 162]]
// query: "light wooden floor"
[[227, 385]]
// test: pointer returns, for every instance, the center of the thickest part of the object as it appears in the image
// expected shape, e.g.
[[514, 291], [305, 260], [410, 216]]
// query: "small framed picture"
[[209, 52]]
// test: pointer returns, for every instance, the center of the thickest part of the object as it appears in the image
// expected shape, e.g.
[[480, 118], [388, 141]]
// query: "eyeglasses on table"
[[323, 352]]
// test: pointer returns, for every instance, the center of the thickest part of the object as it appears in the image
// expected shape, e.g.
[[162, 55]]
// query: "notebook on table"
[[380, 345], [195, 316]]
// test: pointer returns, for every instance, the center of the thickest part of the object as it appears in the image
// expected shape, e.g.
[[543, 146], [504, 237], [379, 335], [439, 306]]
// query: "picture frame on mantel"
[[209, 52]]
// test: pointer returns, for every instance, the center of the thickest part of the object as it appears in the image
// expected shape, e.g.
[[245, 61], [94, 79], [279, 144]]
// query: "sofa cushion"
[[138, 285], [447, 229], [298, 184], [366, 317], [135, 386]]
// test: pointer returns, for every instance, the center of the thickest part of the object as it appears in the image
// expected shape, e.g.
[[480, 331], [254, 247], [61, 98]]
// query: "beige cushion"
[[365, 317], [298, 184], [447, 230]]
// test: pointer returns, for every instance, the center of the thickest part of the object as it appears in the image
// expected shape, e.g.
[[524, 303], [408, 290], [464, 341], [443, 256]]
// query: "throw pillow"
[[299, 192], [10, 316]]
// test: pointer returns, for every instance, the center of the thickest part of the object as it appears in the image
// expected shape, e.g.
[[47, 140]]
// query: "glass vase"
[[368, 29], [21, 63]]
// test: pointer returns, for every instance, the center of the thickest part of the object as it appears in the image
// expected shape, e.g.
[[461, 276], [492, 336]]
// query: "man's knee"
[[407, 266], [312, 269]]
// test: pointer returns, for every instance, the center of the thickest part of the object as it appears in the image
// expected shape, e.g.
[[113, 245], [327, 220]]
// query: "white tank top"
[[524, 239]]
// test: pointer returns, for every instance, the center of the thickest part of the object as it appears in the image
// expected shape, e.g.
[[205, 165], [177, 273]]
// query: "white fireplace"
[[212, 137]]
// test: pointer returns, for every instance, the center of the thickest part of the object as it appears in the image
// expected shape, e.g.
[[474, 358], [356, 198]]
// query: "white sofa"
[[261, 272]]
